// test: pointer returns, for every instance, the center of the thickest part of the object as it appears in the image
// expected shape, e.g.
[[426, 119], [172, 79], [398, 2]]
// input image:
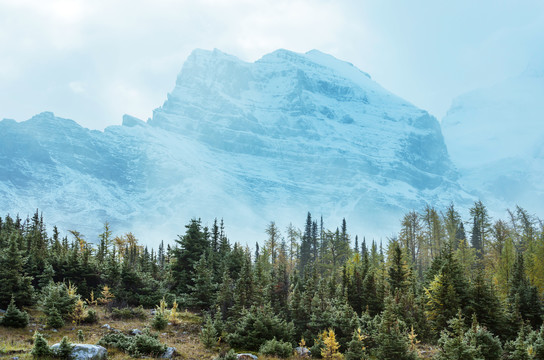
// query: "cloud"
[[77, 87], [125, 55]]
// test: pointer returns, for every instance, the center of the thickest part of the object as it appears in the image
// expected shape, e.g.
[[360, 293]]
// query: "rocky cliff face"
[[249, 142]]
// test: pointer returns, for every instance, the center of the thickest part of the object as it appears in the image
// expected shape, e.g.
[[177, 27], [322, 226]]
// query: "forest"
[[443, 288]]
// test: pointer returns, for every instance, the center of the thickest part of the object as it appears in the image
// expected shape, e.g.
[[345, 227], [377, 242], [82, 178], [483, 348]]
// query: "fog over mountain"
[[246, 142], [495, 137]]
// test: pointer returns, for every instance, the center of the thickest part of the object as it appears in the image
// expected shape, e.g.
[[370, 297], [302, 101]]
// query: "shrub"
[[40, 348], [54, 320], [276, 348], [139, 345], [80, 336], [230, 355], [14, 317], [91, 317], [257, 325], [128, 313], [159, 321], [64, 350], [116, 340], [146, 344]]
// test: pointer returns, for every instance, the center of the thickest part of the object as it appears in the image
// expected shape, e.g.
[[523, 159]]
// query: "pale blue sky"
[[95, 60]]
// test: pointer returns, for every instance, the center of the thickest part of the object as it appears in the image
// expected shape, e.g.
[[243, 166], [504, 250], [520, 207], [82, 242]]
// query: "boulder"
[[169, 353], [106, 326], [86, 352], [246, 357], [135, 332], [303, 351]]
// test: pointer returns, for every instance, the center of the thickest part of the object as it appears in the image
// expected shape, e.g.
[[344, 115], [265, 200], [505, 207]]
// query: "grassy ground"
[[184, 337]]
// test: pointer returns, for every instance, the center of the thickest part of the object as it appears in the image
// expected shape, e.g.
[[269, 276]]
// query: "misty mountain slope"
[[496, 138], [249, 142]]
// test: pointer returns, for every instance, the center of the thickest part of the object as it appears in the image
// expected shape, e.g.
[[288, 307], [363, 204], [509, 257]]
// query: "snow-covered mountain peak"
[[249, 142]]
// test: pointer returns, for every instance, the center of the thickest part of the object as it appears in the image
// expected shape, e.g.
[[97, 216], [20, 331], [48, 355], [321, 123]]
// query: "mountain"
[[496, 138], [247, 142]]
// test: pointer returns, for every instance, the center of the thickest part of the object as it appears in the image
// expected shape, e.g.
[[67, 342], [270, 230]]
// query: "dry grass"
[[184, 337]]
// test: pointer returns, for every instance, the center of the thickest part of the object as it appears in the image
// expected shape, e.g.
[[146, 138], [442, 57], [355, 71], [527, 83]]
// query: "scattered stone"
[[86, 352], [2, 311], [15, 358], [136, 332], [246, 357], [153, 312], [303, 351], [54, 330], [169, 353], [106, 326]]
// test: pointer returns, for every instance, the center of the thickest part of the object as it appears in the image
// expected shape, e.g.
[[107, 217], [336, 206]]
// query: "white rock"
[[302, 351], [246, 357], [86, 352], [169, 353]]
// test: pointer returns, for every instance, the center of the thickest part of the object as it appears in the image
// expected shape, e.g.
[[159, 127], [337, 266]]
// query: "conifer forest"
[[444, 287]]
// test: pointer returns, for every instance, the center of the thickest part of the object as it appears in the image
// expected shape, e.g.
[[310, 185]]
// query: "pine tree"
[[208, 334], [13, 282], [191, 248], [40, 348], [14, 317], [225, 296], [244, 290], [476, 239], [357, 347], [392, 341], [488, 346], [523, 297], [487, 305], [454, 345], [398, 270], [202, 293]]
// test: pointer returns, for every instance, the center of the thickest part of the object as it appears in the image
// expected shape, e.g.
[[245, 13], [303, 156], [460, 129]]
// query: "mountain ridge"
[[249, 142]]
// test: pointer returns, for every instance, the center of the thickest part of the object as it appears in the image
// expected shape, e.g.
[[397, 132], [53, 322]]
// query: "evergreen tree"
[[523, 297], [393, 342], [14, 317], [398, 270], [476, 239], [454, 345], [202, 293], [191, 248], [13, 281]]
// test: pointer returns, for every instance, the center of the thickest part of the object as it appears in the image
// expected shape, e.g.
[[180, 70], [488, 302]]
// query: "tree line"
[[476, 292]]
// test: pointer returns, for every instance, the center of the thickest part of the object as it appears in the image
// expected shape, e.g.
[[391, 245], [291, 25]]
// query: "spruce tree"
[[392, 340], [192, 246], [453, 345], [14, 317], [13, 282], [202, 292], [40, 348]]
